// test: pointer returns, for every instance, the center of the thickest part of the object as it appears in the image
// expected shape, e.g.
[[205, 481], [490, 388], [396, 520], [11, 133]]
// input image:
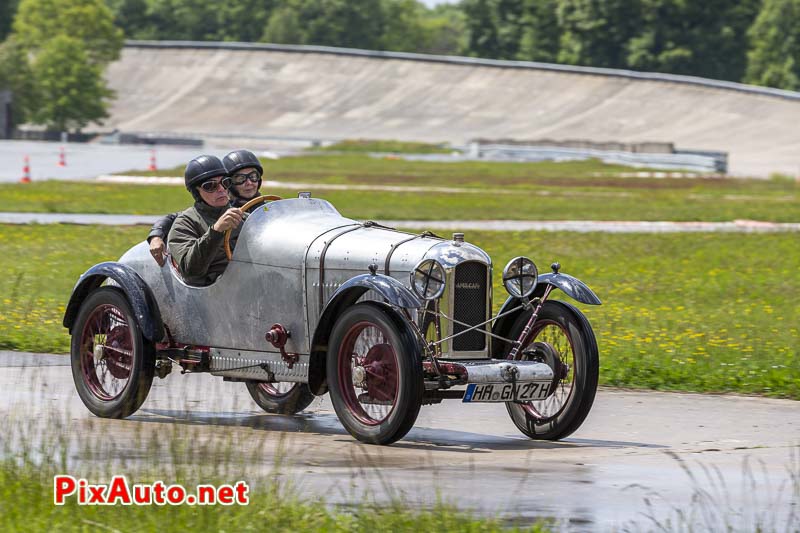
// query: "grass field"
[[540, 191], [405, 147], [693, 312]]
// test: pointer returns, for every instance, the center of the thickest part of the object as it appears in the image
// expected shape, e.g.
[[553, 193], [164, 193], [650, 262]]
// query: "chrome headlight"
[[427, 279], [520, 276]]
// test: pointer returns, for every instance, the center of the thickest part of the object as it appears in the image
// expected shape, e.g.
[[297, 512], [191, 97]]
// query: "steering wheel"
[[255, 201]]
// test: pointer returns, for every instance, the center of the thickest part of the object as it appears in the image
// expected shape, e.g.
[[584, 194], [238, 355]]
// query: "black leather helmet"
[[203, 168], [239, 159]]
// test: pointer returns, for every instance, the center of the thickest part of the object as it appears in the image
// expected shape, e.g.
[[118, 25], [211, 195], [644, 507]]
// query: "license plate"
[[506, 392]]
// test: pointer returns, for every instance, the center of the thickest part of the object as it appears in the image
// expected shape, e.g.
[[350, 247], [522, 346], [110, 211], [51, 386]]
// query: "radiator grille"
[[469, 305]]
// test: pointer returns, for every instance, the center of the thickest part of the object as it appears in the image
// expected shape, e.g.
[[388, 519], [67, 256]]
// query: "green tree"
[[90, 21], [189, 20], [512, 29], [16, 75], [7, 10], [73, 92], [218, 20], [243, 20], [540, 32], [132, 17], [698, 38], [331, 22], [284, 27], [445, 27], [482, 30], [597, 32], [774, 56], [403, 29]]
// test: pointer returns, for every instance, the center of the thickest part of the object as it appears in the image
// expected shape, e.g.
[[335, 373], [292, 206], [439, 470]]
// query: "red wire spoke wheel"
[[112, 364], [374, 373], [563, 339]]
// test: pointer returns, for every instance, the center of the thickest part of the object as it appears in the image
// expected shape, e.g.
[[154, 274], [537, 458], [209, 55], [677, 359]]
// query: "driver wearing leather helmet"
[[196, 238]]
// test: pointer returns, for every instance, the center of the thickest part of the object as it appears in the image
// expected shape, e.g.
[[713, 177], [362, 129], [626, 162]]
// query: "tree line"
[[54, 51]]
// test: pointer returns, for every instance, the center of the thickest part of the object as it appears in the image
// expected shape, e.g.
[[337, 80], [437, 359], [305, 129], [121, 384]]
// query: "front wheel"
[[112, 363], [563, 338], [283, 398], [374, 373]]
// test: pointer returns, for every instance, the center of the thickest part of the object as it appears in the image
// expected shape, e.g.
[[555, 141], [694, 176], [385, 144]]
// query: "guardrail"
[[695, 161]]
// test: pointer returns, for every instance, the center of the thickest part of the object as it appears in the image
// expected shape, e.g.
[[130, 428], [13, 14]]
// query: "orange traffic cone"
[[62, 158], [152, 160], [26, 171]]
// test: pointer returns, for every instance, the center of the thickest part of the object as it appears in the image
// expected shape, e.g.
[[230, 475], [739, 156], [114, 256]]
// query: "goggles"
[[213, 185], [239, 179]]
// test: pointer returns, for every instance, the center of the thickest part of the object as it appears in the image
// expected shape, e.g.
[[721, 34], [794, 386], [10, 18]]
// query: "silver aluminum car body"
[[285, 252]]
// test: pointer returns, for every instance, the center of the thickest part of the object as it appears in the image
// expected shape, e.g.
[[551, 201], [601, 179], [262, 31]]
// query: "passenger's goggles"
[[239, 179], [213, 185]]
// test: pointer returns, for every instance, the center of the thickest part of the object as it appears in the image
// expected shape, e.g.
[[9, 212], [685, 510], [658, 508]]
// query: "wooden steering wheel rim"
[[250, 203]]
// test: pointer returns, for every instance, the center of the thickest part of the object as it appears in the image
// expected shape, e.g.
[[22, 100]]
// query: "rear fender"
[[394, 292], [139, 295]]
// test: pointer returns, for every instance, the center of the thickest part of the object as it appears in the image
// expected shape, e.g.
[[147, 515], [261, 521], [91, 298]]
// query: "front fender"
[[392, 290], [572, 286], [348, 294], [136, 290]]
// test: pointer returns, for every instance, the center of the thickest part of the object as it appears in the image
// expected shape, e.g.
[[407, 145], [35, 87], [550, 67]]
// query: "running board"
[[259, 366]]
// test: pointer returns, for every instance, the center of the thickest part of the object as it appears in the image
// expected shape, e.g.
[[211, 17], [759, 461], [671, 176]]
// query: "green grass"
[[691, 312], [26, 504], [582, 190], [689, 200], [365, 145]]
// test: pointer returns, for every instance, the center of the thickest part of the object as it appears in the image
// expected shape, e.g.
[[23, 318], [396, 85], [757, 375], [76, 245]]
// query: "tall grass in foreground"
[[177, 438], [26, 505], [177, 443], [188, 455], [711, 508]]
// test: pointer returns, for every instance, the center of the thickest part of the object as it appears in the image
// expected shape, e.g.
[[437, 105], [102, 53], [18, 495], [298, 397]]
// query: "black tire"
[[272, 399], [382, 342], [566, 329], [112, 378]]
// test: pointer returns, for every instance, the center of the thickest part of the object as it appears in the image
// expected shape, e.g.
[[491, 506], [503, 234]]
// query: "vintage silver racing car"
[[313, 302]]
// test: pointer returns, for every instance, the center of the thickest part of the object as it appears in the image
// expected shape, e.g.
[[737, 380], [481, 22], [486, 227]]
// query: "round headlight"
[[520, 277], [427, 279]]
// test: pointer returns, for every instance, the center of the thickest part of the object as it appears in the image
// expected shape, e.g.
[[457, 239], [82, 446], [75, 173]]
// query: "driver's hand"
[[157, 250], [230, 219]]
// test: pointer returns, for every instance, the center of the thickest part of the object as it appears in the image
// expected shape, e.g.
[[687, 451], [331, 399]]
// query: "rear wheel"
[[112, 363], [374, 374], [563, 338], [283, 398]]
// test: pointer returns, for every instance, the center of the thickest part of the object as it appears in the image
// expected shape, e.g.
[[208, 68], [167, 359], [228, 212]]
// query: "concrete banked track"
[[325, 93]]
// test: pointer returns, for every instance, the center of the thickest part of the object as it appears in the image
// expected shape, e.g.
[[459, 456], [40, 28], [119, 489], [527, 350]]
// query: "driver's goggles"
[[239, 179], [213, 185]]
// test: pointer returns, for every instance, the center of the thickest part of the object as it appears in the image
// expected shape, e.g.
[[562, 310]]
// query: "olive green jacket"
[[196, 247]]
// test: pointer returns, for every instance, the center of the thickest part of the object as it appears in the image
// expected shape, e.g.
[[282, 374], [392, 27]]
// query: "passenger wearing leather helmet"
[[196, 238], [240, 165]]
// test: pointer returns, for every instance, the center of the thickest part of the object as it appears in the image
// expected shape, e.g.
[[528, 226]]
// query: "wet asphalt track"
[[635, 447]]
